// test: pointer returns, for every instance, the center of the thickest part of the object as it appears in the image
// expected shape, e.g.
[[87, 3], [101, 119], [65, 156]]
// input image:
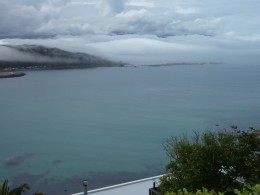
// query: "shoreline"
[[11, 74]]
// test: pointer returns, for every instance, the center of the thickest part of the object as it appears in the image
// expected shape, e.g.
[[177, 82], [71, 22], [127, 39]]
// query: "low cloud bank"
[[139, 50], [137, 32]]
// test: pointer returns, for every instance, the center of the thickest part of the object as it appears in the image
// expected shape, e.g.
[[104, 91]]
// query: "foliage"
[[204, 191], [247, 190], [5, 189], [214, 160]]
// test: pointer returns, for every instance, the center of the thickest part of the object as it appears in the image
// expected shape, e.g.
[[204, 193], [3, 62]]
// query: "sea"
[[108, 125]]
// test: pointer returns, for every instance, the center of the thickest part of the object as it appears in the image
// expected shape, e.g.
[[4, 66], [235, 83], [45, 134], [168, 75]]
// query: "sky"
[[138, 31]]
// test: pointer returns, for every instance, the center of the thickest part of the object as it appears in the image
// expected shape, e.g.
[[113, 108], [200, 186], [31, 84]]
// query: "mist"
[[136, 32], [10, 54], [142, 50]]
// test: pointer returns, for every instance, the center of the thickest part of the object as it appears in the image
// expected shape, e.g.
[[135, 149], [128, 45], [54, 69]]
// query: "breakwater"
[[11, 74]]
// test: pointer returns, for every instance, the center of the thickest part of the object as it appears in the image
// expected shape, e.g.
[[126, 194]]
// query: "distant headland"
[[11, 74], [38, 57]]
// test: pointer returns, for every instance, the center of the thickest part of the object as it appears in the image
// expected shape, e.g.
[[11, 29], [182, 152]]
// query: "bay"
[[108, 124]]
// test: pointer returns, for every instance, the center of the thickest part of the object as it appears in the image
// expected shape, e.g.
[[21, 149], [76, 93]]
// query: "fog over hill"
[[41, 57], [136, 31]]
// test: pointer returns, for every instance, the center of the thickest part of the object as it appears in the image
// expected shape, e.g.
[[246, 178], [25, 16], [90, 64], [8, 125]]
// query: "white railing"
[[121, 185]]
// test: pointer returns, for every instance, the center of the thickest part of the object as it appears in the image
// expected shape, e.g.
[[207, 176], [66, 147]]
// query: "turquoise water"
[[108, 124]]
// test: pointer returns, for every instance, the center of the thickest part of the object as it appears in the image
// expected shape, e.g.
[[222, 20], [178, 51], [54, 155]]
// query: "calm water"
[[108, 124]]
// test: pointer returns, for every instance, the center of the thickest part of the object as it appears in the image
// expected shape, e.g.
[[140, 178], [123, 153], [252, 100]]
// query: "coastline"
[[11, 74]]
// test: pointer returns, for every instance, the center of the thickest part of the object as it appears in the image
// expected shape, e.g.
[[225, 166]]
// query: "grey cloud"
[[23, 18], [167, 18], [39, 3], [105, 27], [108, 7], [150, 49], [16, 20], [142, 21]]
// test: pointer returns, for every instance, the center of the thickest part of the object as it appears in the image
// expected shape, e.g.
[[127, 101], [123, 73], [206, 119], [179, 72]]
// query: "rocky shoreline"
[[11, 74]]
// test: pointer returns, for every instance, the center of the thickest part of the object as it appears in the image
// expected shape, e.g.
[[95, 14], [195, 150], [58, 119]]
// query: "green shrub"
[[247, 190], [5, 189], [214, 160]]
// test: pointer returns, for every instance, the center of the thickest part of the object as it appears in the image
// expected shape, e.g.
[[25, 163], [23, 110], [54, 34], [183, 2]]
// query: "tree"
[[5, 189], [214, 160]]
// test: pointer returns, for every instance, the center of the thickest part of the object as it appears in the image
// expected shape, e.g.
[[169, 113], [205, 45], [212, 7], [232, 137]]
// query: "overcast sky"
[[138, 31]]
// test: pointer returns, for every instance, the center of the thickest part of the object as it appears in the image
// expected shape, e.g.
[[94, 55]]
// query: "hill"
[[35, 57]]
